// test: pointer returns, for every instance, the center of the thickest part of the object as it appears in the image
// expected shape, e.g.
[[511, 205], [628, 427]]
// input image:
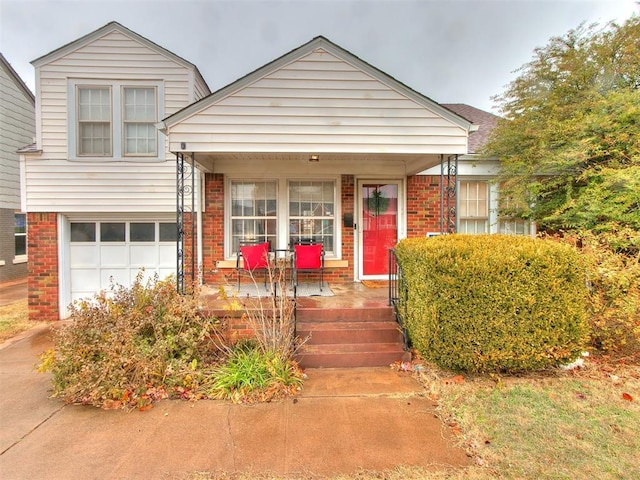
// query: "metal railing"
[[398, 294]]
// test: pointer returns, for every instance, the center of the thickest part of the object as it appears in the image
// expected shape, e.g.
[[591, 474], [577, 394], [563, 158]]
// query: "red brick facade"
[[423, 205], [43, 266]]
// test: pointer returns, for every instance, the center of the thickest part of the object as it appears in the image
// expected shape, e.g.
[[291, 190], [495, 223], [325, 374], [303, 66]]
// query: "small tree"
[[569, 143]]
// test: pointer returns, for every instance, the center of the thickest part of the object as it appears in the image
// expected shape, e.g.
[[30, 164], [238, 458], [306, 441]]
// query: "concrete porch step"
[[358, 314], [349, 355], [349, 332]]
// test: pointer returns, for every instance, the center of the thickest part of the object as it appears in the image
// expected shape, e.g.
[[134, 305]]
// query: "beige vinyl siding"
[[17, 124], [56, 184], [115, 56], [318, 103], [99, 187]]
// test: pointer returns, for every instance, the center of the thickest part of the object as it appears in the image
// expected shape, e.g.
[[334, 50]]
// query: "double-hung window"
[[94, 121], [312, 212], [114, 119], [473, 207], [140, 116], [283, 212], [254, 208]]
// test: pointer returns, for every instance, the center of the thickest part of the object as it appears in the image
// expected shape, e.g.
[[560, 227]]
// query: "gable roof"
[[485, 121], [318, 43], [108, 28], [17, 80]]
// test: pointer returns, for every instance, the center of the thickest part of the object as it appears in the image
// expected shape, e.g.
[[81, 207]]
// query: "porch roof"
[[318, 99]]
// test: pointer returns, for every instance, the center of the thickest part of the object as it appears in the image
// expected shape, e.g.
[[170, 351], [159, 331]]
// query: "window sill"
[[327, 264], [1, 263], [20, 259]]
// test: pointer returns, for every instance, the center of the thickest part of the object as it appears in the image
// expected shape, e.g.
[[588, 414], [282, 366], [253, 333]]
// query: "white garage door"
[[104, 252]]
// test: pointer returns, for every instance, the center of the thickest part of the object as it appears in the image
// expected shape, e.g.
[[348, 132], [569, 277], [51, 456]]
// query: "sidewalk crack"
[[32, 430]]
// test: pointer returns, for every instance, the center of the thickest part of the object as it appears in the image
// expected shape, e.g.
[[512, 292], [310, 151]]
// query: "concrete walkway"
[[12, 292], [345, 420]]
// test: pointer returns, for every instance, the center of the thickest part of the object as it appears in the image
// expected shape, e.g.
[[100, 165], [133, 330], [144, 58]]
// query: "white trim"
[[19, 259], [64, 274], [2, 263], [401, 225]]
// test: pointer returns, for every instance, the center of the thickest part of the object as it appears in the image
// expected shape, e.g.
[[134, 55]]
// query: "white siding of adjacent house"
[[17, 123], [319, 103], [55, 184]]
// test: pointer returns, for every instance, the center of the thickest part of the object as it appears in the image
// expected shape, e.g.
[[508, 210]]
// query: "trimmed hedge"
[[487, 303]]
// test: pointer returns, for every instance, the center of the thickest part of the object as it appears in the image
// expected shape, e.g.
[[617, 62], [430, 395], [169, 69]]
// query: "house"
[[315, 144], [17, 127]]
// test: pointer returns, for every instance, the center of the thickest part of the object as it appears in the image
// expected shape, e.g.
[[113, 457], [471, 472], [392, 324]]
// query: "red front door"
[[379, 224]]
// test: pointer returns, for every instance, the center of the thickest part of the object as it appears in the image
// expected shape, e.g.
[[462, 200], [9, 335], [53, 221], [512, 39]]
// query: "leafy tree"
[[569, 144]]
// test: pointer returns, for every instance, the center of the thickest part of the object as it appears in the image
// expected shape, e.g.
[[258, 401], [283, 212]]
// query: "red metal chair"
[[253, 257], [308, 257]]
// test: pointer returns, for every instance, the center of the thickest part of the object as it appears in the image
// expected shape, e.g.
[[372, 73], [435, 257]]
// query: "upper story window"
[[94, 121], [140, 116], [114, 119]]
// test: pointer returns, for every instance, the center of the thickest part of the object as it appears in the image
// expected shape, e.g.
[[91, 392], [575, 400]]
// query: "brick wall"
[[43, 266], [213, 227], [423, 205]]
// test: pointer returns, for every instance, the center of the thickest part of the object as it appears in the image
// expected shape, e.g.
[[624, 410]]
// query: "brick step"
[[349, 355], [349, 332], [362, 314]]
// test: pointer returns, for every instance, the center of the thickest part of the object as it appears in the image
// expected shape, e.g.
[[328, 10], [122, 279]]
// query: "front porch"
[[356, 327]]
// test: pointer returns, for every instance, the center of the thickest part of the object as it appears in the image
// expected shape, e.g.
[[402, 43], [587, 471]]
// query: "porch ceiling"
[[327, 163]]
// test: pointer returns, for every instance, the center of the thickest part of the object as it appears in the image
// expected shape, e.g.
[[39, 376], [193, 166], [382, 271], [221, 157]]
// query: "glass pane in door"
[[379, 226]]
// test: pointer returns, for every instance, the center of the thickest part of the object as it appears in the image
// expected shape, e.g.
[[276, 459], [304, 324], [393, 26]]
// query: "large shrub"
[[129, 346], [483, 303], [613, 263]]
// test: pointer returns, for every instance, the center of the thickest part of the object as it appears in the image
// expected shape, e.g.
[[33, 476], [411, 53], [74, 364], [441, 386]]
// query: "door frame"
[[358, 208]]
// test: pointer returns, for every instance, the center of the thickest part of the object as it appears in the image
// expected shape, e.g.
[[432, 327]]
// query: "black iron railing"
[[398, 294]]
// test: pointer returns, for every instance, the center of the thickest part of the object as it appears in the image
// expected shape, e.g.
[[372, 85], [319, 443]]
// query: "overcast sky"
[[456, 51]]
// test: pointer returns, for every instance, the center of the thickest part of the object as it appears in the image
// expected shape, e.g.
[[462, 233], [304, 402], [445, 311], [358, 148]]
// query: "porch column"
[[185, 202], [448, 193]]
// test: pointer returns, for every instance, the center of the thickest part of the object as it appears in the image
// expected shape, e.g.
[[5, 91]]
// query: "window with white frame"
[[140, 115], [254, 209], [508, 221], [114, 119], [473, 207], [20, 235], [312, 212], [94, 121]]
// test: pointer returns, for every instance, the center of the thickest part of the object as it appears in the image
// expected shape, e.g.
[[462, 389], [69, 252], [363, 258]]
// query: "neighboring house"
[[477, 192], [316, 144], [17, 127]]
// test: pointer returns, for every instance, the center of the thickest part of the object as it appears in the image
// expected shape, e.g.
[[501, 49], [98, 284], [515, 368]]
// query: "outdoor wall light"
[[314, 158]]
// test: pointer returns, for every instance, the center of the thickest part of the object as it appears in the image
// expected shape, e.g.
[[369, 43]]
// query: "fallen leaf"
[[144, 408], [580, 396], [627, 397], [458, 380]]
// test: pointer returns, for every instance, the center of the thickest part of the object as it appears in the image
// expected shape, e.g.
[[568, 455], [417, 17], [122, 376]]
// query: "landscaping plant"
[[494, 303], [613, 261], [264, 367], [130, 346]]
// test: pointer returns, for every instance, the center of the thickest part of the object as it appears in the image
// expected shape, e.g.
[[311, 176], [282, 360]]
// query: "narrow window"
[[94, 121], [139, 117], [312, 212], [473, 207], [253, 213], [20, 234]]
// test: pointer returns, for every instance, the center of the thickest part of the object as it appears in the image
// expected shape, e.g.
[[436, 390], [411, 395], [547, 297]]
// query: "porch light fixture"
[[314, 158]]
